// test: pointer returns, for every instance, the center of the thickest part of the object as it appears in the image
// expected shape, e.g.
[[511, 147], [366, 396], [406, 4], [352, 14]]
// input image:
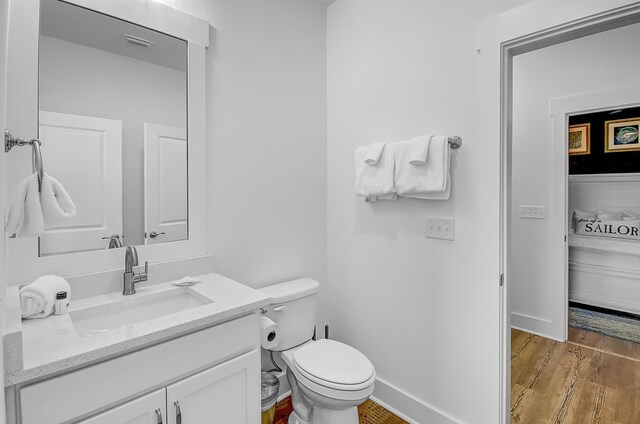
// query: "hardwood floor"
[[369, 413], [611, 345], [569, 383]]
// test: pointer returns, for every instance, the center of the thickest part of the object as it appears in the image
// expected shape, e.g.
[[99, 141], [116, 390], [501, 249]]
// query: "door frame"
[[499, 39], [560, 109]]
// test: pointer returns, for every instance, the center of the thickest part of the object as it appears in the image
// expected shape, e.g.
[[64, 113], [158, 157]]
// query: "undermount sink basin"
[[131, 310]]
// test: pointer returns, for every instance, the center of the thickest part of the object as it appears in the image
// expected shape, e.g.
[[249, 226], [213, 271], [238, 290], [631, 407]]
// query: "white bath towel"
[[25, 213], [374, 177], [38, 298], [425, 181], [444, 195], [56, 204]]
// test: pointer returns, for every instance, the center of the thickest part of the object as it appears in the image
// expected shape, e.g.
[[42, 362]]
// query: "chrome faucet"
[[114, 241], [130, 277]]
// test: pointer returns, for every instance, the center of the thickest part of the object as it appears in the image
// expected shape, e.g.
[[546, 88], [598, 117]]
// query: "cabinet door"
[[148, 409], [228, 393]]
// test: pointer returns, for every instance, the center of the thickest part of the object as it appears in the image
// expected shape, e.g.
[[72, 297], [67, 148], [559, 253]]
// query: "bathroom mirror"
[[113, 127]]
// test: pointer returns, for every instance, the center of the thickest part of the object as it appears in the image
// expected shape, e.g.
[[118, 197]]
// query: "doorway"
[[500, 40]]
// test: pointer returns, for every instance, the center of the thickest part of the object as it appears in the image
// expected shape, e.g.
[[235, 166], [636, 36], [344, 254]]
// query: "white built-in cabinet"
[[209, 376]]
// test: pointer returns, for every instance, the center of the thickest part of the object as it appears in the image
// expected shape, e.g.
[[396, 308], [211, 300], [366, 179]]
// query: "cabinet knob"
[[158, 416], [178, 412]]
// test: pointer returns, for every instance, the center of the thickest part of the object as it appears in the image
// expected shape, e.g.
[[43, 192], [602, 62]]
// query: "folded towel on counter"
[[56, 204], [37, 299], [428, 180], [25, 213], [374, 171]]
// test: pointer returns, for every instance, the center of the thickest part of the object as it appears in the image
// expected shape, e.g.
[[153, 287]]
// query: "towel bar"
[[10, 141], [455, 142]]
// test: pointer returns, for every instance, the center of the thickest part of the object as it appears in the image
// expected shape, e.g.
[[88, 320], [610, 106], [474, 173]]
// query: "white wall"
[[595, 63], [4, 26], [81, 80], [421, 309], [266, 151]]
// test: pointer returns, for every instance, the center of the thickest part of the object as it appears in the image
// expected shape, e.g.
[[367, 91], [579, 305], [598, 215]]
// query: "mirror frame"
[[24, 264]]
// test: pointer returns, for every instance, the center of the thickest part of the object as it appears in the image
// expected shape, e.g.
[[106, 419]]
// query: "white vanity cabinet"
[[213, 375], [148, 409], [225, 393]]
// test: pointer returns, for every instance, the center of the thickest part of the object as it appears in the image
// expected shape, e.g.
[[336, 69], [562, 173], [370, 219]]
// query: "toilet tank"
[[293, 307]]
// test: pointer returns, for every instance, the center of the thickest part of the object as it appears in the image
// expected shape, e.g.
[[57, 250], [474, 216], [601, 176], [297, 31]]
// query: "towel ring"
[[37, 161], [10, 141]]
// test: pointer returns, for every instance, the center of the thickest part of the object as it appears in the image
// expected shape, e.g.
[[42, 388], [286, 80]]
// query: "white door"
[[148, 409], [228, 393], [165, 166], [85, 154]]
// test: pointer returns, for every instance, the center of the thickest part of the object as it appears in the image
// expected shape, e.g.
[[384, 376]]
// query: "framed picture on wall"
[[621, 135], [580, 139]]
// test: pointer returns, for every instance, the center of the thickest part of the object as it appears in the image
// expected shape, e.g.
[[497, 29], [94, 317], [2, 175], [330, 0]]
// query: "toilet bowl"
[[328, 379]]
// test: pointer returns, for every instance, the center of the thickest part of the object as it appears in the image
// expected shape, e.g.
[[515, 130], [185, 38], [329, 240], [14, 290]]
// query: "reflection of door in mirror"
[[165, 157], [95, 65], [92, 176]]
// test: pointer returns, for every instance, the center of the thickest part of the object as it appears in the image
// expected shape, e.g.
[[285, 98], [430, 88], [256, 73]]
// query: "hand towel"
[[429, 180], [56, 204], [38, 298], [415, 151], [374, 177], [25, 213], [371, 154]]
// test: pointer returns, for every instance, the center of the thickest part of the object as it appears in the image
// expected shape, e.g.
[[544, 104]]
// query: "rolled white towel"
[[57, 205], [38, 298]]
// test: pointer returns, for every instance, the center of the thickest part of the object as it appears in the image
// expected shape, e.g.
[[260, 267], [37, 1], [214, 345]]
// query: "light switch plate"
[[533, 212], [440, 228]]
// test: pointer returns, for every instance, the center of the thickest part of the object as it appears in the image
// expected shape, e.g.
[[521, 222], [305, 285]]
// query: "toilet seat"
[[333, 365]]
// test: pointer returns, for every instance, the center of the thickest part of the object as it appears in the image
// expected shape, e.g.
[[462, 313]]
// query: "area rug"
[[622, 327]]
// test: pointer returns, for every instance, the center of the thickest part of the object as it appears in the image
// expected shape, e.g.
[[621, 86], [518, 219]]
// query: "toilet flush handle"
[[279, 308]]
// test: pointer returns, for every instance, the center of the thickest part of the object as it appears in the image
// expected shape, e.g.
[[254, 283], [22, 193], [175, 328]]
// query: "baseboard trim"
[[407, 406], [284, 395], [538, 326]]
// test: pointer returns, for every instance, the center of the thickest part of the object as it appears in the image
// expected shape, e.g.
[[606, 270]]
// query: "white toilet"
[[328, 379]]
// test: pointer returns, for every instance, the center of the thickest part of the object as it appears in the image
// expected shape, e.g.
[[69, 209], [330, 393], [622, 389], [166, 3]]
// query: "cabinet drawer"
[[81, 392]]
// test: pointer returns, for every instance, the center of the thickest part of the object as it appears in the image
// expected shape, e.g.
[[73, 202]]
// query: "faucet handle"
[[145, 274]]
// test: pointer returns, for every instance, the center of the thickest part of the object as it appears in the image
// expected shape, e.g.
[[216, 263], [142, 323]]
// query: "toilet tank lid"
[[291, 290]]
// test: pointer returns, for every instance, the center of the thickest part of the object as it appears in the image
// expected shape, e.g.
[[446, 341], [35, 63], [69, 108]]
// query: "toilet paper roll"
[[269, 333]]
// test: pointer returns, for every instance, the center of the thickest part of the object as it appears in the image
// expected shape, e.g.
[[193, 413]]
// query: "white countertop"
[[49, 346]]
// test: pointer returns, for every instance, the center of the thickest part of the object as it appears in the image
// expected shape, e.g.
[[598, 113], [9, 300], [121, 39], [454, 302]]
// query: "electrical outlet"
[[533, 212], [440, 228]]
